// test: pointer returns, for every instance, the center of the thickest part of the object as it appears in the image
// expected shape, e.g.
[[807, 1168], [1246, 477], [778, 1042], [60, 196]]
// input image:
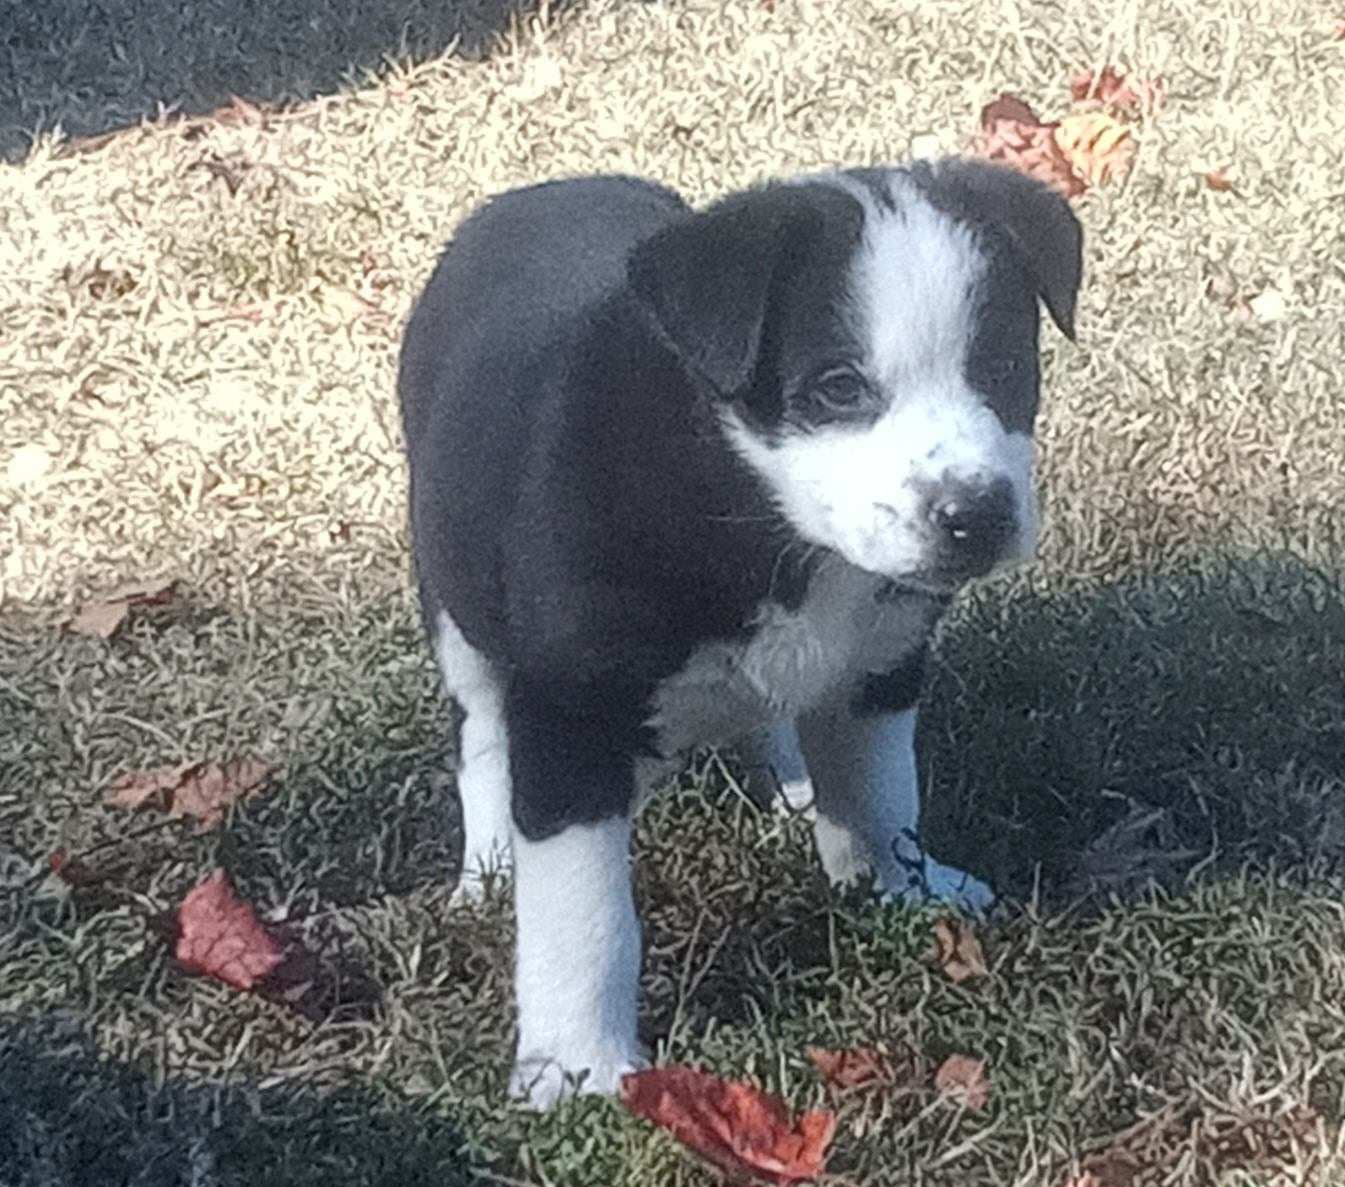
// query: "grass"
[[1141, 741]]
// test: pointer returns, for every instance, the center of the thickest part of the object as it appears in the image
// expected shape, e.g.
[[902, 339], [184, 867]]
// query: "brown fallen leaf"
[[1109, 88], [1012, 134], [72, 870], [102, 617], [957, 950], [856, 1067], [738, 1128], [1338, 33], [963, 1077], [1098, 147], [1112, 1168], [1219, 181], [201, 790], [220, 936]]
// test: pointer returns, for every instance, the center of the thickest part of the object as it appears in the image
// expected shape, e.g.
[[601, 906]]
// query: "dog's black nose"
[[973, 523]]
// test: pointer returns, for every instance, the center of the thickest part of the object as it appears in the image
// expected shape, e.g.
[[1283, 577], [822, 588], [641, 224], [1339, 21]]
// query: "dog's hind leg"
[[483, 757]]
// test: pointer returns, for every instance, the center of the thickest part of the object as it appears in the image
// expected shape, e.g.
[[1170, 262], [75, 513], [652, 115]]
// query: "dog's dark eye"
[[841, 390]]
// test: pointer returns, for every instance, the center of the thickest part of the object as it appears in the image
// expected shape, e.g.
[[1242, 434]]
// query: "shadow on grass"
[[1072, 741], [1092, 739], [92, 66], [71, 1119]]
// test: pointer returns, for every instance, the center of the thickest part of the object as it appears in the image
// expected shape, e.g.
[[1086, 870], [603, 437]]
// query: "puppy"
[[681, 478]]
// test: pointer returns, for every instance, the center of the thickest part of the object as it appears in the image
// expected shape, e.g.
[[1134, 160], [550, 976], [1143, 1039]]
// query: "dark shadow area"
[[92, 66], [69, 1118], [1095, 740]]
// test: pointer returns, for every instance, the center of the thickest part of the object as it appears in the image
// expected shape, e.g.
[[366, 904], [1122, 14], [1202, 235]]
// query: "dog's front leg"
[[578, 947], [867, 797]]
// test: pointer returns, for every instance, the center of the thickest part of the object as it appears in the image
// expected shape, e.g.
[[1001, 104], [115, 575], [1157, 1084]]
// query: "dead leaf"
[[1111, 1168], [1219, 181], [200, 790], [1109, 88], [856, 1067], [957, 950], [72, 870], [220, 936], [1098, 148], [963, 1077], [1012, 134], [1338, 33], [733, 1125], [101, 618]]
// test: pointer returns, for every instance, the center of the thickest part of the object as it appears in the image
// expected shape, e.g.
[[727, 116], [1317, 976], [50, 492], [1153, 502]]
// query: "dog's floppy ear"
[[1036, 218], [706, 280]]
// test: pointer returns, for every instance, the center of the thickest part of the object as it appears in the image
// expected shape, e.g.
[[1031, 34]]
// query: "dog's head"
[[871, 337]]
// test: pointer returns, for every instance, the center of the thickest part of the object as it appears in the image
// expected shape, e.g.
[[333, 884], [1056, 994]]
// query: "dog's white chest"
[[792, 662]]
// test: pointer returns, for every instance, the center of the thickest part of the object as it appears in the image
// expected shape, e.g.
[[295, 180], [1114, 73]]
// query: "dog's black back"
[[575, 509]]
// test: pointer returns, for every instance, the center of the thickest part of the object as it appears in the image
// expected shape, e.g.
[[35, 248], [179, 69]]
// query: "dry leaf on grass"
[[957, 950], [738, 1128], [220, 936], [201, 790], [856, 1067], [1012, 134], [101, 618], [963, 1078], [217, 934], [73, 871], [1110, 88], [1112, 1168], [1098, 147]]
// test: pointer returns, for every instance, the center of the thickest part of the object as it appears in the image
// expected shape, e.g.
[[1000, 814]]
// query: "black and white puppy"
[[681, 478]]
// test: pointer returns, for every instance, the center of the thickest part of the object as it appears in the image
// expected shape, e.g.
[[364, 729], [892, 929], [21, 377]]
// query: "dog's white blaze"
[[861, 491], [578, 962], [483, 756]]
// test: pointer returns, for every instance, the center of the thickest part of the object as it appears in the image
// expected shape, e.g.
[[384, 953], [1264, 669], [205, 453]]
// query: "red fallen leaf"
[[1219, 181], [199, 790], [737, 1127], [1338, 33], [220, 935], [1012, 134], [858, 1067], [1109, 88], [101, 618], [957, 950], [964, 1077]]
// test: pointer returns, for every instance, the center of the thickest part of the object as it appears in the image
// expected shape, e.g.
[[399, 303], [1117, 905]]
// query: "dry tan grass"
[[200, 319]]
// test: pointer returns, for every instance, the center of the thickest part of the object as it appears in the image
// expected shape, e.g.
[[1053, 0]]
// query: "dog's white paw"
[[936, 882], [540, 1083], [796, 796]]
